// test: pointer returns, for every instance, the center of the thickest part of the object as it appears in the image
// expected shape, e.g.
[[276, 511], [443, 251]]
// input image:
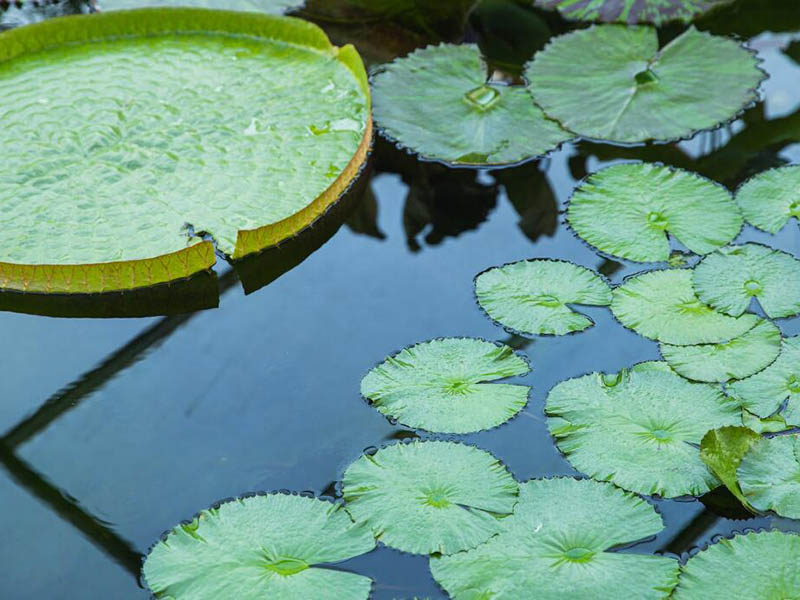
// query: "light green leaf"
[[662, 305], [771, 424], [555, 546], [639, 428], [759, 565], [532, 297], [627, 210], [260, 547], [657, 12], [723, 449], [739, 358], [437, 385], [770, 199], [769, 475], [436, 101], [272, 7], [632, 92], [426, 497]]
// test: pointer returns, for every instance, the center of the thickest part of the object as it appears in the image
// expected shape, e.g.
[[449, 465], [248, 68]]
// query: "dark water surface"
[[119, 429]]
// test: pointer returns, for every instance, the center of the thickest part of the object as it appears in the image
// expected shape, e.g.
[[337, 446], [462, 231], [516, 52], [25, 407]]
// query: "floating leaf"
[[261, 547], [754, 565], [771, 424], [662, 305], [639, 428], [657, 12], [437, 385], [769, 475], [739, 358], [556, 544], [437, 102], [637, 92], [627, 210], [272, 7], [532, 297], [723, 449], [245, 126], [771, 198], [425, 497]]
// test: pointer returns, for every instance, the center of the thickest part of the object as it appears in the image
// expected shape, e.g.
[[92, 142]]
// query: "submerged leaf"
[[261, 547], [769, 475], [662, 305], [657, 12], [438, 385], [437, 102], [639, 428], [532, 297], [272, 7], [723, 449], [426, 497], [627, 210], [556, 543], [770, 199], [632, 92]]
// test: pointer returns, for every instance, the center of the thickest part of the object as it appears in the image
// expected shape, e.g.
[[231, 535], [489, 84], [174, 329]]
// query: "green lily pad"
[[190, 118], [769, 475], [633, 92], [729, 279], [627, 211], [426, 497], [662, 306], [556, 544], [741, 357], [771, 198], [261, 547], [438, 385], [437, 102], [754, 565], [657, 12], [765, 392], [723, 449], [533, 297], [639, 428], [771, 424], [272, 7]]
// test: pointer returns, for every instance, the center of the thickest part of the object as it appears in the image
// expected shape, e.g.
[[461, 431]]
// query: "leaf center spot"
[[612, 379], [547, 300], [752, 287], [661, 435], [657, 220], [793, 384], [579, 554], [286, 566], [693, 306], [646, 77], [457, 387], [483, 97], [437, 498]]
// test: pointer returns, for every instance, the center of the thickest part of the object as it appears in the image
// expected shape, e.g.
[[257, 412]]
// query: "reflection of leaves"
[[364, 219], [16, 14], [748, 18], [530, 193]]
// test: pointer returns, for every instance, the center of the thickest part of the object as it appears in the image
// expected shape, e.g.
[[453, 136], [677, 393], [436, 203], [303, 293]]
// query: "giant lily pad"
[[739, 358], [426, 497], [769, 475], [247, 133], [770, 199], [657, 12], [662, 305], [755, 565], [533, 297], [556, 544], [627, 211], [723, 449], [639, 428], [261, 547], [632, 91], [272, 7], [437, 385], [730, 278], [437, 102]]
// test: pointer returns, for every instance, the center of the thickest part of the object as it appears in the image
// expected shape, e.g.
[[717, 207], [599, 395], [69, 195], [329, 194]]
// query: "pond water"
[[118, 429]]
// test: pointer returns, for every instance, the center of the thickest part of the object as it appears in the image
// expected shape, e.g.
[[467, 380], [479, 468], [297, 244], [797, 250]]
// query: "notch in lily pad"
[[771, 199], [657, 12]]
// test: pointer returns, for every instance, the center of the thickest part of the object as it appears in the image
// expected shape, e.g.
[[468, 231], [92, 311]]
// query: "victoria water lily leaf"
[[755, 565], [771, 198], [627, 211], [437, 102], [657, 12], [272, 7], [730, 278], [426, 497], [247, 133], [556, 543], [636, 91], [723, 449], [769, 475], [533, 297], [739, 358], [662, 305], [261, 547], [438, 385], [639, 428]]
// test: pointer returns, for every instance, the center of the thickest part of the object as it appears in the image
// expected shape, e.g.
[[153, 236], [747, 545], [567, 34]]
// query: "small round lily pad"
[[741, 357], [272, 7], [261, 547], [770, 199], [438, 385], [657, 12], [557, 543], [731, 277], [437, 102], [639, 428], [662, 306], [426, 497], [754, 565], [769, 475], [632, 92], [533, 297], [628, 210]]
